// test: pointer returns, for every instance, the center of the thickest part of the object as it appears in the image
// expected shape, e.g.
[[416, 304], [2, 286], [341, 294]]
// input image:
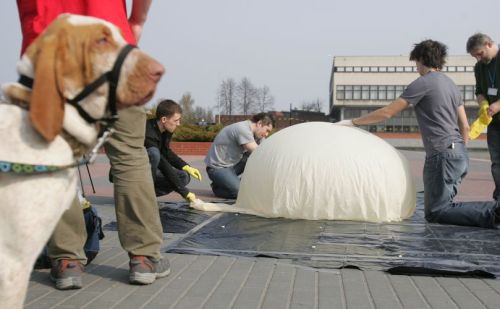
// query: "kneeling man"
[[170, 172], [226, 158]]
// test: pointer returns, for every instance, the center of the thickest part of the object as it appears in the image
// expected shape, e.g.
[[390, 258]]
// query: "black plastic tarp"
[[409, 247]]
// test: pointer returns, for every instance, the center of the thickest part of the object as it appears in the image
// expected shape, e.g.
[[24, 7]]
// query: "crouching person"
[[226, 158], [170, 172]]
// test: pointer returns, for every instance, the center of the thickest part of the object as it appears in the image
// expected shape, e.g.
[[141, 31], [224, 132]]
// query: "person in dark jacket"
[[170, 172]]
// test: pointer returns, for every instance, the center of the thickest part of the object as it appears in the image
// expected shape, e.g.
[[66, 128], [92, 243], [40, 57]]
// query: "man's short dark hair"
[[430, 53], [167, 108], [265, 118], [476, 41]]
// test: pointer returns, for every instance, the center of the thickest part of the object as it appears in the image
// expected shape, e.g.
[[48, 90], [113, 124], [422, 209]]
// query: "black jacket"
[[169, 161]]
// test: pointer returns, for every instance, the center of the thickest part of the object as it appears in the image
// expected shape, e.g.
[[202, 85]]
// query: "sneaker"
[[145, 270], [67, 274]]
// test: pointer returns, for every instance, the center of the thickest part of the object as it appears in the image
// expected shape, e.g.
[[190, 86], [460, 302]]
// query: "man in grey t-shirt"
[[444, 127], [226, 158]]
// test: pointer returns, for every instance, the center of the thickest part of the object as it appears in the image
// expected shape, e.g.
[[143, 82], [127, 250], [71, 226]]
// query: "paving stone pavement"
[[199, 281]]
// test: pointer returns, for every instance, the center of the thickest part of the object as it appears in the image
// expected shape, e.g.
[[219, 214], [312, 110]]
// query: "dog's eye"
[[102, 41]]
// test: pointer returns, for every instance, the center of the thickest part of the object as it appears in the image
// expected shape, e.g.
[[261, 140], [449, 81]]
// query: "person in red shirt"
[[139, 226]]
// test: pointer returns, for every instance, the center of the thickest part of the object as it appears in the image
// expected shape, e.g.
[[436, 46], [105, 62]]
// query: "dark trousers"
[[163, 185], [443, 173], [226, 180], [493, 138]]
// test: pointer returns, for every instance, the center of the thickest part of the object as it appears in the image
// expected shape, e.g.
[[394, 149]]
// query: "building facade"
[[282, 119], [361, 84]]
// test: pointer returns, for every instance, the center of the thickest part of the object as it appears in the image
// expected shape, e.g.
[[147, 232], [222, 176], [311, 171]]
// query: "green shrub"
[[196, 133]]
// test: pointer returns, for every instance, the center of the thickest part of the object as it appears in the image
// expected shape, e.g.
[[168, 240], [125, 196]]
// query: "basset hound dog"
[[73, 78]]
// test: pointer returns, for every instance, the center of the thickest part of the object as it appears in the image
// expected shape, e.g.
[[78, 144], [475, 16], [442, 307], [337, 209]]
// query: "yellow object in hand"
[[481, 122], [85, 203], [192, 171], [191, 197]]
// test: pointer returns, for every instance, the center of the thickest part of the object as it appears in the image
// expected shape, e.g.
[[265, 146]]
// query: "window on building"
[[460, 69], [357, 69], [469, 69], [351, 113], [469, 93], [382, 92], [340, 92], [356, 92], [339, 69], [391, 69], [408, 69], [365, 69], [348, 69], [452, 69], [365, 92], [386, 92], [382, 69], [348, 92], [399, 90], [373, 93], [399, 69], [373, 69], [391, 94]]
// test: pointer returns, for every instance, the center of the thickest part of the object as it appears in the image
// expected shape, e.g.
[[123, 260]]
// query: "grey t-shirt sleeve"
[[227, 148], [244, 136], [415, 91]]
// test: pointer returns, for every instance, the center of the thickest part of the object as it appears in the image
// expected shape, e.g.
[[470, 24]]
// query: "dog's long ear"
[[47, 99]]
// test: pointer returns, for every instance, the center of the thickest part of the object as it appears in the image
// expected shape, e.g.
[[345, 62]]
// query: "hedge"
[[196, 133]]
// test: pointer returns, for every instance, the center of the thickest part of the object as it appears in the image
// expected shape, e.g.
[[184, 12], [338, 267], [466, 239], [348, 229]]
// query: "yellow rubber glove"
[[192, 171], [191, 197], [85, 203], [481, 122]]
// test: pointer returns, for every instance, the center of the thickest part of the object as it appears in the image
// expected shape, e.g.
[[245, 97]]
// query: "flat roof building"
[[361, 84]]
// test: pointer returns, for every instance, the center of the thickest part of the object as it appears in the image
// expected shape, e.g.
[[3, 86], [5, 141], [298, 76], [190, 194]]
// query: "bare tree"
[[226, 96], [187, 103], [313, 105], [201, 114], [246, 95], [265, 101]]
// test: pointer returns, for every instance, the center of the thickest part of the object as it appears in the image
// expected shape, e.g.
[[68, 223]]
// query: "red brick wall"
[[190, 148], [201, 148], [385, 135]]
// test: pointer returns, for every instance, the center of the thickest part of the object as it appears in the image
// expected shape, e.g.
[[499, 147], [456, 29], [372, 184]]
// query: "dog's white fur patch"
[[25, 67], [25, 145], [78, 127], [88, 20]]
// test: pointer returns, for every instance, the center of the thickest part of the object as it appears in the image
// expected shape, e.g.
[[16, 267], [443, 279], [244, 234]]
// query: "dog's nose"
[[156, 70]]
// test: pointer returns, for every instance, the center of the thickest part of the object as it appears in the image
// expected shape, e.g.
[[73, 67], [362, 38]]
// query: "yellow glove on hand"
[[85, 203], [482, 121], [191, 197], [192, 171]]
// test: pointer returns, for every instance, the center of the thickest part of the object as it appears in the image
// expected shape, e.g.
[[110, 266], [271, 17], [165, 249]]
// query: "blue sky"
[[287, 45]]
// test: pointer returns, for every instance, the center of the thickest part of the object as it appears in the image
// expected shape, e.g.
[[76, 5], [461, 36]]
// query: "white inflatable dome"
[[321, 170]]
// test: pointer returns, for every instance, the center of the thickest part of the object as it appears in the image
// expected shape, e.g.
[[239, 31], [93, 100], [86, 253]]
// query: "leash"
[[81, 180], [26, 168], [90, 178]]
